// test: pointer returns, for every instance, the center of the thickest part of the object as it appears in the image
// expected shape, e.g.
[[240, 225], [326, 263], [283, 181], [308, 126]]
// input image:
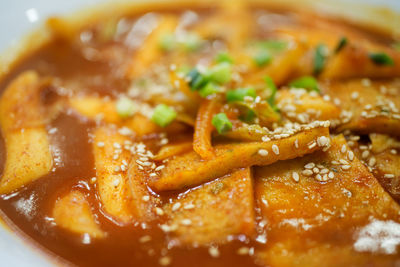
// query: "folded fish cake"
[[214, 211], [73, 212], [367, 106], [314, 208]]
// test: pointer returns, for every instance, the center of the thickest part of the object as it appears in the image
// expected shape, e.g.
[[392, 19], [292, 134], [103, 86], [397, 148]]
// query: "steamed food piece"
[[22, 122], [214, 211], [310, 219], [302, 106], [73, 213], [120, 183], [189, 169], [366, 106]]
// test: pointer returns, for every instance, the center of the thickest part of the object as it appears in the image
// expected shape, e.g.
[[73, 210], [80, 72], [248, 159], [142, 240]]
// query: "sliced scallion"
[[381, 59], [209, 89], [220, 73], [163, 115], [262, 58], [341, 44], [306, 82], [223, 57], [240, 94], [125, 107], [319, 58], [221, 123]]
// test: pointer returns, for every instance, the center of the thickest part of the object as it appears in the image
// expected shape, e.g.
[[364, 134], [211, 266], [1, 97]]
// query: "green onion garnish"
[[209, 89], [240, 94], [319, 58], [125, 107], [381, 59], [306, 82], [262, 58], [272, 87], [167, 42], [221, 123], [190, 42], [273, 45], [163, 115], [197, 80], [341, 44], [220, 73], [223, 57]]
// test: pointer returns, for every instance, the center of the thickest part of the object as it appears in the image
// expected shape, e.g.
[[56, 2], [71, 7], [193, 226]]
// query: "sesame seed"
[[100, 144], [214, 252], [186, 222], [307, 172], [318, 177], [176, 206], [343, 149], [393, 151], [165, 261], [153, 174], [275, 149], [93, 180], [350, 155], [116, 182], [295, 176], [159, 211], [346, 167], [315, 170], [159, 168], [323, 171], [389, 175], [309, 165], [263, 152], [296, 143], [331, 175], [145, 239], [354, 95], [365, 154], [265, 139], [322, 141], [372, 162], [146, 198], [189, 206], [117, 169], [243, 251], [343, 161], [312, 145]]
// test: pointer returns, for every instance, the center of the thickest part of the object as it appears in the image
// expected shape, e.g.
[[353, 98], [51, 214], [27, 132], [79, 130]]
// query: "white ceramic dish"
[[18, 17]]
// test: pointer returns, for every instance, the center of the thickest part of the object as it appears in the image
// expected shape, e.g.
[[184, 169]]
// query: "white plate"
[[18, 17]]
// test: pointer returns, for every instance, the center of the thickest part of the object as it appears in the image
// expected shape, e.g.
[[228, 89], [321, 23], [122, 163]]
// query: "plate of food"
[[175, 133]]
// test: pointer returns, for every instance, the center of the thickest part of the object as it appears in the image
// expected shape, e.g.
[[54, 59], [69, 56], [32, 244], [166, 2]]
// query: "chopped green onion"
[[249, 116], [209, 89], [221, 123], [341, 44], [306, 82], [197, 80], [125, 107], [272, 87], [167, 42], [273, 45], [190, 42], [220, 73], [381, 59], [262, 58], [319, 58], [240, 94], [223, 57], [163, 115]]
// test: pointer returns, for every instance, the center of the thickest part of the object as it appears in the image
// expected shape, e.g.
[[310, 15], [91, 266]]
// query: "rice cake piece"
[[23, 127], [73, 213], [367, 106], [189, 169], [312, 222], [120, 183], [213, 211]]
